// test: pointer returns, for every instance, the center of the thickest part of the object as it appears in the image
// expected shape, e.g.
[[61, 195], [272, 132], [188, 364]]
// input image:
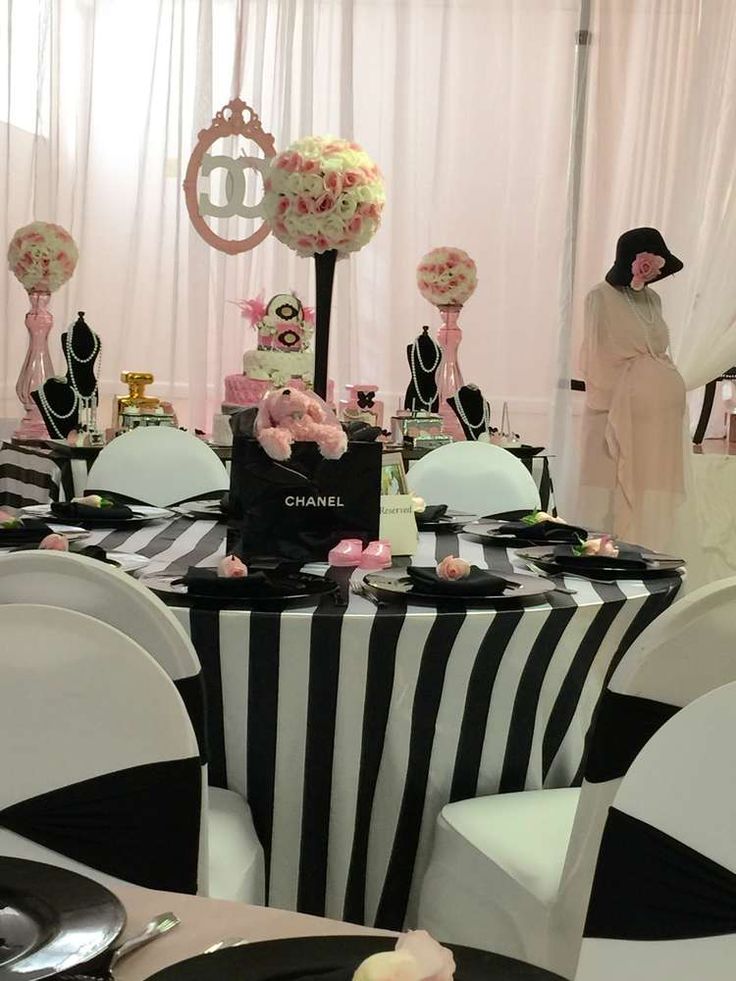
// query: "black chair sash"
[[192, 693], [140, 824], [649, 886], [622, 727]]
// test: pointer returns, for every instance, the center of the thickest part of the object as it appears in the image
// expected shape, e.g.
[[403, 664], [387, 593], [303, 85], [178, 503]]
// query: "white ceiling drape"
[[465, 104]]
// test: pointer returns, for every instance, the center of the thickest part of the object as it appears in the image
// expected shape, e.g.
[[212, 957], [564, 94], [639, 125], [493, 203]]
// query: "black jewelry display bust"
[[424, 357], [60, 399], [472, 411]]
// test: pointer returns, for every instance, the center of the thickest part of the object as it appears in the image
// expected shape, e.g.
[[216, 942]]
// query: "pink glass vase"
[[36, 368], [450, 378]]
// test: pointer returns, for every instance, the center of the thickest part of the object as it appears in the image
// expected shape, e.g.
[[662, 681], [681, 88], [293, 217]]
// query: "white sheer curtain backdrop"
[[465, 104], [660, 141]]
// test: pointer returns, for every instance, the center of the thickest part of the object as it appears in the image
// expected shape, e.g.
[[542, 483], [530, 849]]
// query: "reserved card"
[[398, 524]]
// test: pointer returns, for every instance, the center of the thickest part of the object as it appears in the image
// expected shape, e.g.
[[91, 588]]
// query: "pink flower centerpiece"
[[42, 256], [645, 267], [447, 278], [323, 197], [324, 193]]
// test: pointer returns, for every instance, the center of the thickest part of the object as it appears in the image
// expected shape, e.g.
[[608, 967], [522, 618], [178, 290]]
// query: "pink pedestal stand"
[[450, 378], [36, 368]]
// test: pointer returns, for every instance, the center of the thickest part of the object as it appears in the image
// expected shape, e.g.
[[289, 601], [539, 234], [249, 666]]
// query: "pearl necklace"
[[418, 354], [635, 306], [71, 357], [485, 421], [416, 359], [51, 414]]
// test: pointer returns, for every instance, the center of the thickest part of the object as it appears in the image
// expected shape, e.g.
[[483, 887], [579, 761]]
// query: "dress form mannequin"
[[472, 411], [632, 461], [424, 357], [69, 402]]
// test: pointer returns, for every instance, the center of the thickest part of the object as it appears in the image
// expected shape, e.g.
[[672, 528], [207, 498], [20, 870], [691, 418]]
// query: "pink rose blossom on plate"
[[645, 267], [452, 568], [55, 543], [603, 547], [436, 962], [417, 957], [232, 568]]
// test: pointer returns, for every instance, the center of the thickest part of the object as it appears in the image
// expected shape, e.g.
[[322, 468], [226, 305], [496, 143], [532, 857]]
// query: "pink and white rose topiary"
[[42, 256], [324, 193], [447, 277]]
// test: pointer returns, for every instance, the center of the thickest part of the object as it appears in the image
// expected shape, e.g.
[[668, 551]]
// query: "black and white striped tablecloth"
[[349, 728], [28, 475]]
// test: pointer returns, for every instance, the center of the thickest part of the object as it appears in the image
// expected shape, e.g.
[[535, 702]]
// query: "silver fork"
[[158, 926]]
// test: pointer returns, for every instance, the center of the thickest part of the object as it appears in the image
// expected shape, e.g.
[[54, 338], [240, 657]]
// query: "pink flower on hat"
[[645, 267], [452, 568]]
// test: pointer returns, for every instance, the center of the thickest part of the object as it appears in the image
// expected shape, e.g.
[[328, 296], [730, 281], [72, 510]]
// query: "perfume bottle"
[[136, 397]]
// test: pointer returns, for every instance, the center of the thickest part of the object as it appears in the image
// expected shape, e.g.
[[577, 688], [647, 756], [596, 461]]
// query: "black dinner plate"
[[52, 920], [202, 510], [524, 450], [393, 584], [301, 589], [658, 566], [442, 526], [332, 959], [487, 530]]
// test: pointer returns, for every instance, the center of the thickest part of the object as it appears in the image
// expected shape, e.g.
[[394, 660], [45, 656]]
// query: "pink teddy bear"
[[288, 415]]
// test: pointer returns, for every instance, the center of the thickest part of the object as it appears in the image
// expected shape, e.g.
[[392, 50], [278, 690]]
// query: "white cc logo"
[[234, 186]]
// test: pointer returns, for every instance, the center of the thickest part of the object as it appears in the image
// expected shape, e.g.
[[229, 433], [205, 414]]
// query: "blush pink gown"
[[632, 466]]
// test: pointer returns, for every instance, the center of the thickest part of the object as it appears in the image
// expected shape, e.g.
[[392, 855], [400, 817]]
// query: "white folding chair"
[[99, 759], [235, 863], [158, 465], [474, 478], [662, 900], [511, 872]]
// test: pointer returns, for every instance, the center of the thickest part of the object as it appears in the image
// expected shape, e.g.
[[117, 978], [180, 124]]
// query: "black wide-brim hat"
[[628, 247]]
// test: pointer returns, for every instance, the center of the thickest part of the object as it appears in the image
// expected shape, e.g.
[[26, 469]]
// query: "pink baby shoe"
[[347, 552], [376, 556]]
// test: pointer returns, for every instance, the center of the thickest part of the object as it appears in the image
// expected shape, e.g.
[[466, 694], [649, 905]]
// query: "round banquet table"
[[205, 922], [348, 727]]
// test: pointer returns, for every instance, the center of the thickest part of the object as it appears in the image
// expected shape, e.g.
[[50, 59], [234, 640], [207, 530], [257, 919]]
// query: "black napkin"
[[543, 531], [627, 558], [71, 511], [432, 512], [206, 582], [30, 532], [479, 582]]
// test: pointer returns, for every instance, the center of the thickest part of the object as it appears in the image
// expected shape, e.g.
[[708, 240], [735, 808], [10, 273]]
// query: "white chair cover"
[[232, 863], [530, 902], [474, 478], [79, 701], [159, 466], [663, 901]]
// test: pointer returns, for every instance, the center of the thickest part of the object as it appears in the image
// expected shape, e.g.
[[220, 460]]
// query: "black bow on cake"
[[365, 400]]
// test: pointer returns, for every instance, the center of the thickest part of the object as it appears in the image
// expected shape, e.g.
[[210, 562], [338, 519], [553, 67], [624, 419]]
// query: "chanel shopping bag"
[[300, 508]]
